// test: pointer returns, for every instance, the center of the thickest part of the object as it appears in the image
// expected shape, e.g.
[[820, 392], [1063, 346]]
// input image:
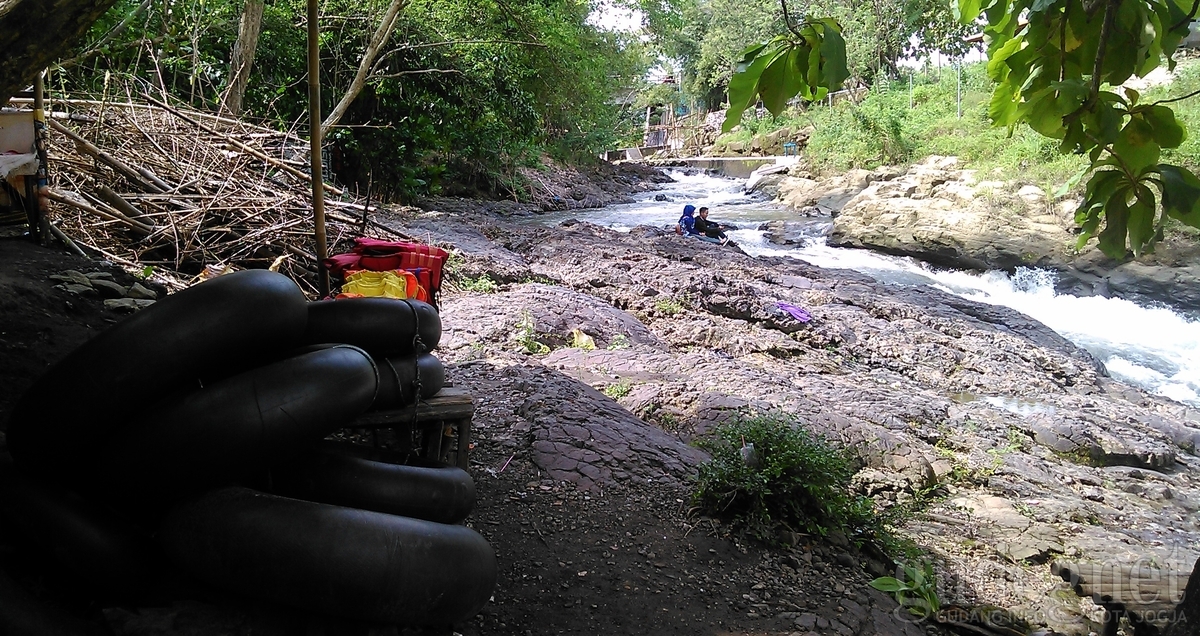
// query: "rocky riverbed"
[[1021, 447]]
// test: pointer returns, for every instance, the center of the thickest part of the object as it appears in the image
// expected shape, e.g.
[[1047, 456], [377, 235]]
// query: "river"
[[1154, 348]]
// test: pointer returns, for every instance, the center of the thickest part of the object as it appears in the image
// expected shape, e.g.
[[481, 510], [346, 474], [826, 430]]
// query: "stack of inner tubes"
[[185, 444]]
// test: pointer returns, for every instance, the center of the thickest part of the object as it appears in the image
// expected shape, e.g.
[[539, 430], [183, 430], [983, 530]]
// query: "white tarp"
[[12, 165]]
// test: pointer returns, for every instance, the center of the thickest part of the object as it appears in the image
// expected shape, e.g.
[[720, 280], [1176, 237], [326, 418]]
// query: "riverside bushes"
[[769, 474]]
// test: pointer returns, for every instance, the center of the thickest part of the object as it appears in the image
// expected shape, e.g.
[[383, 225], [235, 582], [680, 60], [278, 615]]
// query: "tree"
[[1060, 72], [809, 61], [387, 24], [241, 60]]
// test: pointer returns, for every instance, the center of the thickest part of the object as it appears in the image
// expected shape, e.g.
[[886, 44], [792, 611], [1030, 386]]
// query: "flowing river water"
[[1154, 348]]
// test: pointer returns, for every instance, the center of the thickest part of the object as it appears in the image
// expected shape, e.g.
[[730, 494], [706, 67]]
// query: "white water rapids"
[[1151, 347]]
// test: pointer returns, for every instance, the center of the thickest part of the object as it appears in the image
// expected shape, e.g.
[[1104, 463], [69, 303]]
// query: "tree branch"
[[1191, 14], [418, 72], [1062, 43], [1177, 99], [408, 47], [117, 30], [386, 25], [787, 19], [1110, 14], [449, 42]]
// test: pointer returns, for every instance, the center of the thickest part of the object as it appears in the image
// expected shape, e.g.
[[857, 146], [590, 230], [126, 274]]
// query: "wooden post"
[[314, 134], [39, 225]]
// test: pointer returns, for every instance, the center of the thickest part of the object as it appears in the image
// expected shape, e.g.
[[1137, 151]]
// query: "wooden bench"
[[1147, 596], [452, 407]]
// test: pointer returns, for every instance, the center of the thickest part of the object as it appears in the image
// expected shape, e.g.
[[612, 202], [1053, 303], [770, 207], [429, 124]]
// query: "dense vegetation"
[[453, 96], [468, 88], [712, 33], [893, 125]]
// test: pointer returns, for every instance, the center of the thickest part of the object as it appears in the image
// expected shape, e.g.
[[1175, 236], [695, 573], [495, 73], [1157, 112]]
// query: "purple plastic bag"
[[795, 312]]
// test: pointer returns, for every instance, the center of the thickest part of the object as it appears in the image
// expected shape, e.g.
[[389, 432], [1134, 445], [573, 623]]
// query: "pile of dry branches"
[[181, 191]]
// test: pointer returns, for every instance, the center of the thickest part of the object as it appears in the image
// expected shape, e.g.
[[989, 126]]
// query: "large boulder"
[[943, 215]]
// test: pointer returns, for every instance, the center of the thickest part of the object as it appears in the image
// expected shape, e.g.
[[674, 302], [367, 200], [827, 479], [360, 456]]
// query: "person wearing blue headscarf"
[[687, 222]]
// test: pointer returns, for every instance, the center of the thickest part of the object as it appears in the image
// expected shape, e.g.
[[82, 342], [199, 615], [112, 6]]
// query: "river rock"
[[140, 292], [107, 288]]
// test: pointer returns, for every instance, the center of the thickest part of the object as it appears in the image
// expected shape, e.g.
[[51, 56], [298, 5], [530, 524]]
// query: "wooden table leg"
[[464, 443], [433, 442]]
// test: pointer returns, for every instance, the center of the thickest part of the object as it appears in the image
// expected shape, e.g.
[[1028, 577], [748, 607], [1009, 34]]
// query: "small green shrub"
[[668, 306], [619, 341], [618, 390], [916, 591], [767, 473], [526, 336], [483, 284]]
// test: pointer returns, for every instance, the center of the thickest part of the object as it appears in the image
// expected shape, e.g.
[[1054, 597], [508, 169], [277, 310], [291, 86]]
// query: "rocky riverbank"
[[1031, 452], [957, 218]]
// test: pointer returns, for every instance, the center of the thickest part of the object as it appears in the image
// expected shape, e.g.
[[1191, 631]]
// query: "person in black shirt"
[[711, 229]]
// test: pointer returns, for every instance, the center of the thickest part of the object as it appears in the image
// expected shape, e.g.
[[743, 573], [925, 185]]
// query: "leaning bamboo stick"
[[90, 148], [66, 240], [61, 197], [146, 107], [115, 200]]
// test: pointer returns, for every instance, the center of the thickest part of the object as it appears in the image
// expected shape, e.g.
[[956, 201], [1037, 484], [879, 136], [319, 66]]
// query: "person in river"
[[711, 229]]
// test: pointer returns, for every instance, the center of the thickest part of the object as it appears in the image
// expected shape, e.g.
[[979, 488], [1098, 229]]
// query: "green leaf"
[[1071, 183], [1106, 122], [1041, 112], [888, 584], [1141, 220], [1100, 190], [1116, 220], [1166, 130], [1180, 194], [967, 10], [779, 82], [1002, 110], [833, 54], [749, 54], [1135, 146], [743, 88], [996, 62]]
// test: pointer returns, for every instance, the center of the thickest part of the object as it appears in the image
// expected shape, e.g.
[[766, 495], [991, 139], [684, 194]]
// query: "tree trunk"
[[35, 32], [242, 58], [381, 36]]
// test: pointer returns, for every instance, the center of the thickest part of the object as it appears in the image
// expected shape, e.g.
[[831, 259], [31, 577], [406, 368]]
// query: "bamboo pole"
[[136, 106], [314, 136], [117, 201], [40, 227]]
